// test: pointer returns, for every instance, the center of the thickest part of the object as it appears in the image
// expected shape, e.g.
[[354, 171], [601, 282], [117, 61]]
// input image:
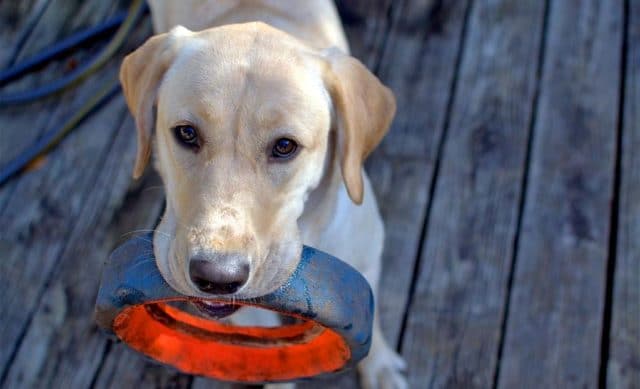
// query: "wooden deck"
[[509, 184]]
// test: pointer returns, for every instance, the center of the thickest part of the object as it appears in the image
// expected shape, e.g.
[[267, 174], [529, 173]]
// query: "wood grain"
[[68, 351], [103, 222], [18, 20], [557, 302], [49, 217], [139, 210], [418, 65], [623, 370], [39, 225], [25, 123], [366, 25], [40, 209], [461, 153], [453, 328]]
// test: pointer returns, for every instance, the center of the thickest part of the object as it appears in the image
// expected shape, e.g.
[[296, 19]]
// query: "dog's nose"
[[219, 274]]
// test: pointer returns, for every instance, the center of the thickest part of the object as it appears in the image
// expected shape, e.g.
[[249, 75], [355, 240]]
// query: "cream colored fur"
[[245, 73]]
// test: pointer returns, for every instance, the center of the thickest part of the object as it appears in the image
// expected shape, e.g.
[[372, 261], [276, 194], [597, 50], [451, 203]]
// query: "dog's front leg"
[[383, 367]]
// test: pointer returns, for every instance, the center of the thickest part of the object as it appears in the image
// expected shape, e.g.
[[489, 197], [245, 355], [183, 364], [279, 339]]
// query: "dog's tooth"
[[214, 304], [215, 309]]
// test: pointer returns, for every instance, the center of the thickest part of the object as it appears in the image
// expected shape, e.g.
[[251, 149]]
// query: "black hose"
[[60, 48], [52, 137], [135, 11]]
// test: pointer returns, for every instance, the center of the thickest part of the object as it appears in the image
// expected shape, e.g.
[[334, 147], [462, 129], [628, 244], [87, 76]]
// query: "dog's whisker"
[[162, 233], [138, 264], [153, 188], [151, 275], [146, 259], [135, 232]]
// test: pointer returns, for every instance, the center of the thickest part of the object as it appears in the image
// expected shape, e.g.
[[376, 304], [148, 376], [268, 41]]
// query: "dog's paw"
[[383, 370]]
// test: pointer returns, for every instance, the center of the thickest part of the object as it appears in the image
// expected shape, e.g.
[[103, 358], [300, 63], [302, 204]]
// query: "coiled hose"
[[53, 137]]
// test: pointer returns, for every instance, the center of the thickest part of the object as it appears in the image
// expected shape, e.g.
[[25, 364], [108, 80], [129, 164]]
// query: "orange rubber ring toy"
[[333, 300]]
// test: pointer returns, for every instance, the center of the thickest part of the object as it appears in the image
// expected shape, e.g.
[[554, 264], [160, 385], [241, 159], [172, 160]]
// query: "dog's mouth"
[[215, 310]]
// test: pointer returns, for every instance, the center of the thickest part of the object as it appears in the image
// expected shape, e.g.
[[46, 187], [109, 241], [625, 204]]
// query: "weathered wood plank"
[[31, 120], [417, 59], [366, 25], [14, 17], [110, 214], [73, 312], [623, 370], [39, 215], [555, 313], [92, 238], [418, 64], [123, 374], [453, 328], [122, 367], [18, 19], [204, 383]]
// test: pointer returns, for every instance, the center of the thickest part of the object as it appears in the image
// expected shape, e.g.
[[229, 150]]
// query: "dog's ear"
[[364, 110], [140, 75]]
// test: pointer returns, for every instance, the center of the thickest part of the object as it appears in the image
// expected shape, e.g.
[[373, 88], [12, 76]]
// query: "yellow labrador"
[[260, 122]]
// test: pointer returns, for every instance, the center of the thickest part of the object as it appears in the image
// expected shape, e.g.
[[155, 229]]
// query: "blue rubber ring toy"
[[333, 302]]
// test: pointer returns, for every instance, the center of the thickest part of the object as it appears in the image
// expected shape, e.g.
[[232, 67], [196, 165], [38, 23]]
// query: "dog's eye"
[[284, 148], [187, 135]]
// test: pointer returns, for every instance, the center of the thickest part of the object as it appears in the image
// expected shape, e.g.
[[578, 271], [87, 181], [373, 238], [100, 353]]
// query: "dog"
[[259, 121]]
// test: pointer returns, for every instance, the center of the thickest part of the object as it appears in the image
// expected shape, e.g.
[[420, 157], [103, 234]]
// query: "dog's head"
[[241, 117]]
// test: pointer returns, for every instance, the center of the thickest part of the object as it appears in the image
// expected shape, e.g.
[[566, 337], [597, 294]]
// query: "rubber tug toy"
[[332, 302]]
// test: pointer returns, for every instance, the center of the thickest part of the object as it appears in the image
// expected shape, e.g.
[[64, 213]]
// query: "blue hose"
[[51, 138], [136, 9], [60, 49]]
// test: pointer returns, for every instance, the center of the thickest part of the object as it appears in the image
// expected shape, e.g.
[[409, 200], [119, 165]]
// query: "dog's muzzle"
[[332, 302]]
